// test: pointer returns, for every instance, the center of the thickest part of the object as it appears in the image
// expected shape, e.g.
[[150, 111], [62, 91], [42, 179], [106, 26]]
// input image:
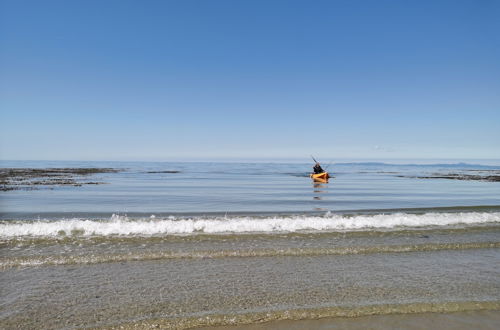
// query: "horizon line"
[[338, 161]]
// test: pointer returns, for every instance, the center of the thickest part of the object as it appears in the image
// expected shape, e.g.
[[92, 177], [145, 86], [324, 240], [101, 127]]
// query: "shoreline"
[[311, 318], [463, 320]]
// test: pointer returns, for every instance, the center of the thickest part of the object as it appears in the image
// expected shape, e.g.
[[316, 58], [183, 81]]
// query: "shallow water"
[[234, 244], [188, 292]]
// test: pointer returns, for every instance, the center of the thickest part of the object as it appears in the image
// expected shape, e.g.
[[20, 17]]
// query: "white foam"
[[121, 225]]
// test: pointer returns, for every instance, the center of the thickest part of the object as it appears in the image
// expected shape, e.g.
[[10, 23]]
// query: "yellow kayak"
[[320, 176]]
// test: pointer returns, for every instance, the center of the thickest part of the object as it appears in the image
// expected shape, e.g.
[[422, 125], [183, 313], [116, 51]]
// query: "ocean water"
[[209, 244], [238, 188]]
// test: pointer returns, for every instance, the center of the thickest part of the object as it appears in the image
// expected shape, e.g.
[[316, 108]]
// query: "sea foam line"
[[123, 226]]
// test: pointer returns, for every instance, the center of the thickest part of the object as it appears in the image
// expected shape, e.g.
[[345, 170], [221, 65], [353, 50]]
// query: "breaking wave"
[[119, 225]]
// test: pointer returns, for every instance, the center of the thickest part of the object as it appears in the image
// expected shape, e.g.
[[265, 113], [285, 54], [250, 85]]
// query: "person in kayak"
[[317, 168]]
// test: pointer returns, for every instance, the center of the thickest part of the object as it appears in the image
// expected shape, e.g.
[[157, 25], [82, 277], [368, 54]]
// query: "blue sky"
[[173, 80]]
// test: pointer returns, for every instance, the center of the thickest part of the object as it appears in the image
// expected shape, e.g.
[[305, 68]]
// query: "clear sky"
[[164, 80]]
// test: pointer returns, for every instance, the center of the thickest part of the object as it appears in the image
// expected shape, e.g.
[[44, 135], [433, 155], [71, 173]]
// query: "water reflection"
[[319, 190]]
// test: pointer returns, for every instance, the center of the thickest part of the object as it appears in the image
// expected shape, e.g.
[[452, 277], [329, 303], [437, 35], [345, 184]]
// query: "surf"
[[121, 225]]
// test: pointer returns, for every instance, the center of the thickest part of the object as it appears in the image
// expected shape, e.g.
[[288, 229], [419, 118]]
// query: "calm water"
[[201, 188], [242, 243]]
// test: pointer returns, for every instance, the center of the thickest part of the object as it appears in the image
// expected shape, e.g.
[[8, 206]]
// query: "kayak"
[[320, 176]]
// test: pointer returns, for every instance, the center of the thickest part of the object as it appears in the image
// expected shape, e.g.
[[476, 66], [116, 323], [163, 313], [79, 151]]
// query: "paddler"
[[317, 168]]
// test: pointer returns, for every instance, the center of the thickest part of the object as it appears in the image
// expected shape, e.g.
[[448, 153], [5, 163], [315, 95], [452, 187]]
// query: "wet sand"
[[480, 320]]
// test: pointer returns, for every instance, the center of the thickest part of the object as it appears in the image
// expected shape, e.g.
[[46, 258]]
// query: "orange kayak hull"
[[320, 176]]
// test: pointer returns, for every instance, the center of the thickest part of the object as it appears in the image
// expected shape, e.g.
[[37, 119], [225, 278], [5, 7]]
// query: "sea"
[[253, 245]]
